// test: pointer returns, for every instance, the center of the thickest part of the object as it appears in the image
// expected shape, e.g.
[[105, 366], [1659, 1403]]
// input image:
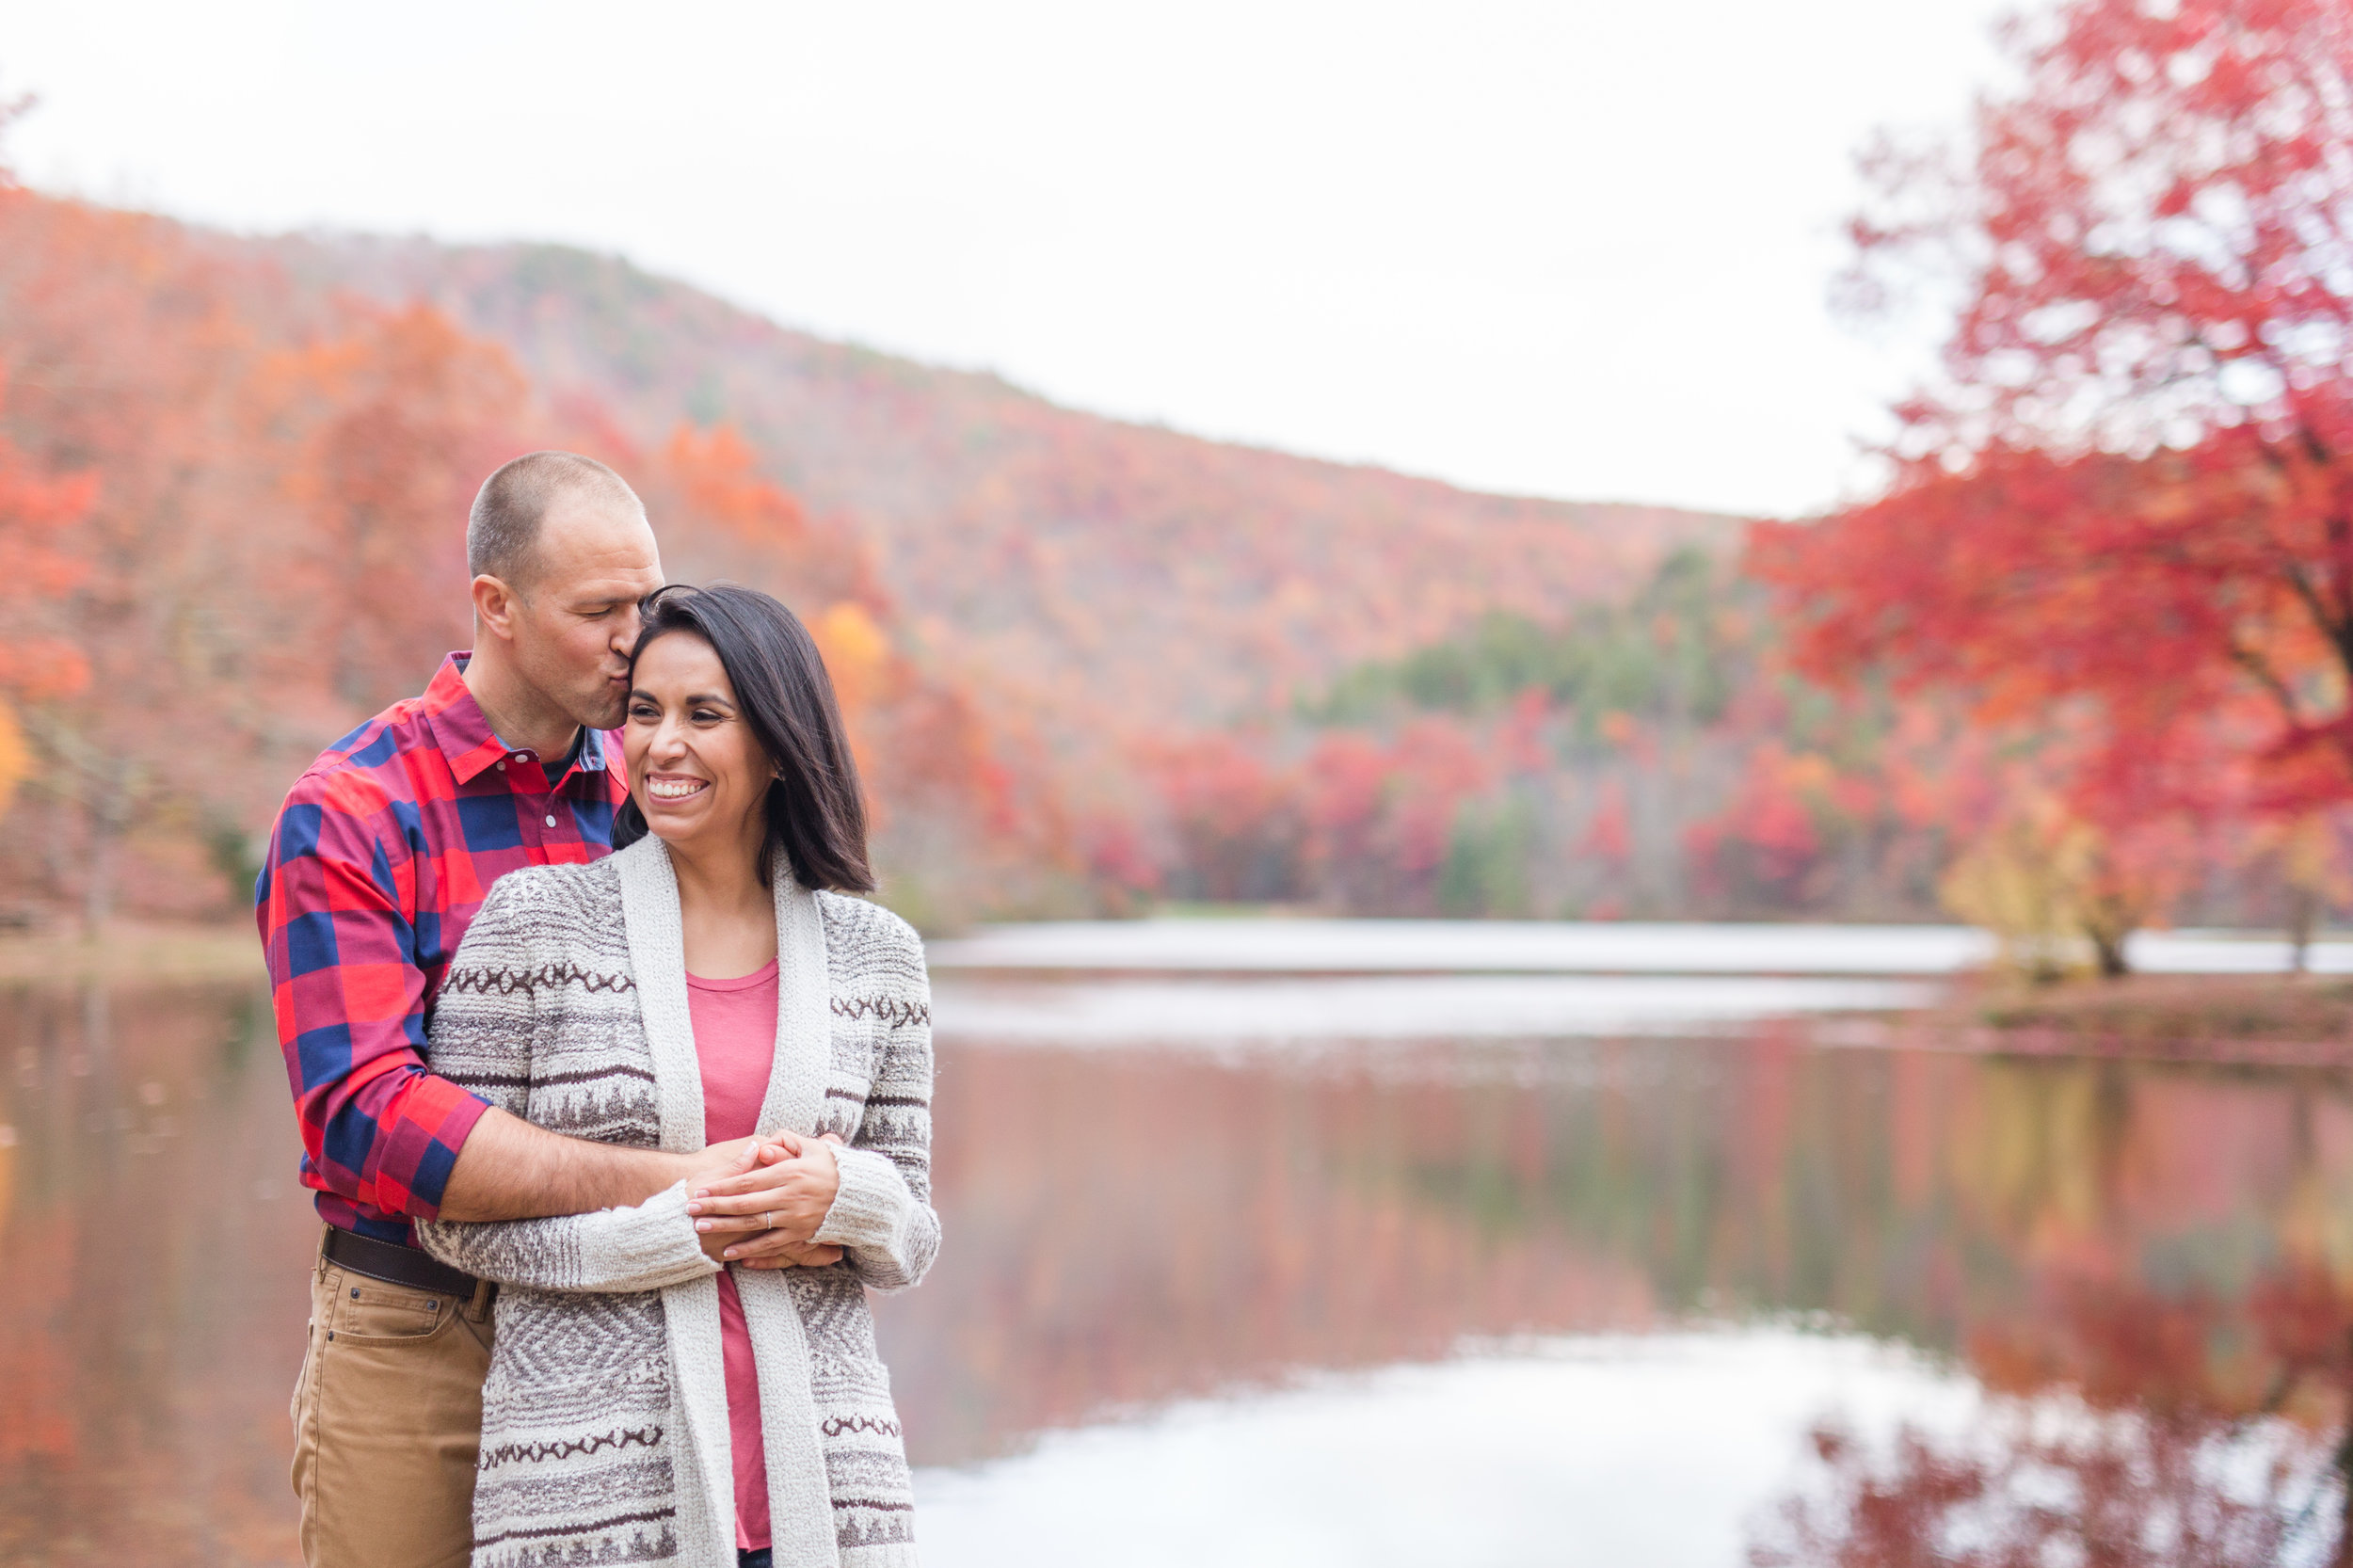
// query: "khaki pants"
[[388, 1420]]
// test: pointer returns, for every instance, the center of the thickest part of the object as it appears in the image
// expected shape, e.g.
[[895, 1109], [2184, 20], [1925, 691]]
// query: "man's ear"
[[494, 605]]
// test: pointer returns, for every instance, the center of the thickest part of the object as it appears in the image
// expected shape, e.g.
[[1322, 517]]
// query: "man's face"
[[576, 618]]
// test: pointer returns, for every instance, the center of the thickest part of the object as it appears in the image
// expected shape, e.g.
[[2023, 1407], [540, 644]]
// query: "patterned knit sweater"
[[604, 1419]]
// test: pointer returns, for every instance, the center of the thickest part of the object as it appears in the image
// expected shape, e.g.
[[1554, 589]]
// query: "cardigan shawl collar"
[[800, 1502]]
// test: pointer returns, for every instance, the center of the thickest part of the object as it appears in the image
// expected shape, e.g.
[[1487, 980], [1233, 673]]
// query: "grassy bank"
[[2302, 1019], [132, 951]]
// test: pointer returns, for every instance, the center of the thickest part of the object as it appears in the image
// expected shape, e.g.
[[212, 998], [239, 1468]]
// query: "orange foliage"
[[37, 514], [965, 816], [260, 540], [390, 427]]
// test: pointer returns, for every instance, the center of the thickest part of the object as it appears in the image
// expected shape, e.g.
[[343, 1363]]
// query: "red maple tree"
[[2123, 514]]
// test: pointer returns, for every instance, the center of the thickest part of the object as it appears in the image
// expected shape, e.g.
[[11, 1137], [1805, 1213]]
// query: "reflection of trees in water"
[[2033, 1484], [1126, 1227], [2173, 1366], [151, 1296]]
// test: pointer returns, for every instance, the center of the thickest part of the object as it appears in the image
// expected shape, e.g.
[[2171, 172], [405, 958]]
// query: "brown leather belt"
[[394, 1265]]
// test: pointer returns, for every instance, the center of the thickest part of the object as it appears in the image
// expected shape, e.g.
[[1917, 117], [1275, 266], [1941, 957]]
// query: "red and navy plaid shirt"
[[381, 854]]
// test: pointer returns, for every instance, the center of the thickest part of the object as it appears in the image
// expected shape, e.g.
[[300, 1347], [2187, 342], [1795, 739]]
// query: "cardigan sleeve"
[[644, 1248], [882, 1217], [484, 1025]]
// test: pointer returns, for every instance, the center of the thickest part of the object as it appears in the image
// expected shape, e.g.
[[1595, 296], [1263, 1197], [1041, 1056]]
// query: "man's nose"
[[629, 622]]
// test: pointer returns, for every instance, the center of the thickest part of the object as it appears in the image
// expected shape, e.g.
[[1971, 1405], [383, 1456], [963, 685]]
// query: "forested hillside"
[[1035, 609], [1088, 664], [1145, 575]]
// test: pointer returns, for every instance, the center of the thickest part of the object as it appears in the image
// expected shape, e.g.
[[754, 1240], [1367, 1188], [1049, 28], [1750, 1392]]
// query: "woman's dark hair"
[[815, 812]]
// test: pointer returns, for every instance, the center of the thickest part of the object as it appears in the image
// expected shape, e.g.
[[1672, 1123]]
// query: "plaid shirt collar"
[[463, 732]]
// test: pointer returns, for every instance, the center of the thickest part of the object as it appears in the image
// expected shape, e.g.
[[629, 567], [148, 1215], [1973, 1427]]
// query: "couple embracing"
[[615, 1100]]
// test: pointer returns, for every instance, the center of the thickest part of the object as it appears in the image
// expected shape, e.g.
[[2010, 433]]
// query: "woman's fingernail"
[[729, 1252], [702, 1224]]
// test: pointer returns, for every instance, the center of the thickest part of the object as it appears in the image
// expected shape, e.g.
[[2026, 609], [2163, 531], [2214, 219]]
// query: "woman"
[[650, 1398]]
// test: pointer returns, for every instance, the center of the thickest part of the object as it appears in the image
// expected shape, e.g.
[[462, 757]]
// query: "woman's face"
[[696, 771]]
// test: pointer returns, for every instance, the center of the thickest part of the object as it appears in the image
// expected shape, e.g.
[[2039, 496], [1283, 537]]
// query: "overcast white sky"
[[1577, 249]]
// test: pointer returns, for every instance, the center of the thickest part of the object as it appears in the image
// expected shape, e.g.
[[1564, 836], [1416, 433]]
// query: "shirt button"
[[502, 767], [551, 821]]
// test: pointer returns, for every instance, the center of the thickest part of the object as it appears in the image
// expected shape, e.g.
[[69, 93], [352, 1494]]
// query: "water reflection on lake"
[[1479, 1300]]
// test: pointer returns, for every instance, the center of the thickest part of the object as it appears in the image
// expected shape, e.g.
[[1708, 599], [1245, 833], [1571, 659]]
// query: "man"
[[382, 853]]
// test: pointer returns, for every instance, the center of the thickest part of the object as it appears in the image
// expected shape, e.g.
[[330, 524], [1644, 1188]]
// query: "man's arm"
[[508, 1169], [381, 1130]]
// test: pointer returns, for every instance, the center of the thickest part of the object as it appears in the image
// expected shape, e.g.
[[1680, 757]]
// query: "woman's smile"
[[675, 786]]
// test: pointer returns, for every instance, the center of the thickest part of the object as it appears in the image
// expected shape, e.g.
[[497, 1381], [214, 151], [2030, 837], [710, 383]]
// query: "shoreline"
[[2249, 1020], [133, 950]]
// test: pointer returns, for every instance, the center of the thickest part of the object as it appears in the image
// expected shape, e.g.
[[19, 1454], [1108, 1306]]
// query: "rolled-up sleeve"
[[379, 1128]]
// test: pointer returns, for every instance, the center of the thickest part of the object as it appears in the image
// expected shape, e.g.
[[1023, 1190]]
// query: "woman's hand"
[[766, 1216], [791, 1255]]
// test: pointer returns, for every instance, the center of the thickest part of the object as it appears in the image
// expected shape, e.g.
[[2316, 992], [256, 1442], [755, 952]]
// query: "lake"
[[1341, 1243]]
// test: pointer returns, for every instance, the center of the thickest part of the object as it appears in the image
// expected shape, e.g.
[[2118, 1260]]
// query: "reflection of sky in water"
[[1651, 1450], [1392, 1007], [1536, 947]]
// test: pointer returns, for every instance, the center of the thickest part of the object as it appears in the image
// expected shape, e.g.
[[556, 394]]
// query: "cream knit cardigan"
[[604, 1417]]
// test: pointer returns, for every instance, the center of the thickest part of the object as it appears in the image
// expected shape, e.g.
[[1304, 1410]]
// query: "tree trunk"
[[109, 787], [2303, 917], [98, 886]]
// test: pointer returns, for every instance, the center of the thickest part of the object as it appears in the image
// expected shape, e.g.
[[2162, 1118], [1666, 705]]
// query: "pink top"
[[735, 1039]]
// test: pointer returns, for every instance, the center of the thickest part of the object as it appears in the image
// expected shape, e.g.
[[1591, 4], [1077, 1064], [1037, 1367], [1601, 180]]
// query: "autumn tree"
[[382, 432], [2125, 509], [957, 806], [122, 340], [37, 664]]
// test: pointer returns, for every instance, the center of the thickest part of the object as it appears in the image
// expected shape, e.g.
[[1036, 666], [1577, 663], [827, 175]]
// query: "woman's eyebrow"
[[712, 697]]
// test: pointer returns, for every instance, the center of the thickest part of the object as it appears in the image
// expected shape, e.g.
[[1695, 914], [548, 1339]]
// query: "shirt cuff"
[[428, 1125]]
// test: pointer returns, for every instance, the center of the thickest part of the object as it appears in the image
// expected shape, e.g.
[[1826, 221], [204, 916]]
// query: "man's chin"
[[603, 714]]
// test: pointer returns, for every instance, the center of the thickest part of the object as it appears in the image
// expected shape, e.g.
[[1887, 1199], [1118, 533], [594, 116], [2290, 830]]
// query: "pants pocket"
[[372, 1312]]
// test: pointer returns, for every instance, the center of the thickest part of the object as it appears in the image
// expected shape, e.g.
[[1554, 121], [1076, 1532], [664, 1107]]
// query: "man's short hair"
[[503, 530]]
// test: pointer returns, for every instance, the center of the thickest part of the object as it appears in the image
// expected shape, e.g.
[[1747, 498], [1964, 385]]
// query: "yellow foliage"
[[2309, 860], [1809, 773], [16, 761], [2040, 883], [856, 653]]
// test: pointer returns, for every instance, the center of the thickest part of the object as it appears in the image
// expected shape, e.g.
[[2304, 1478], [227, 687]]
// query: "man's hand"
[[719, 1162], [765, 1216]]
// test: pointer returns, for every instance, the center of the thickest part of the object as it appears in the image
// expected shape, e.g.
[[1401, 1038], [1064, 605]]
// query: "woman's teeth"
[[674, 789]]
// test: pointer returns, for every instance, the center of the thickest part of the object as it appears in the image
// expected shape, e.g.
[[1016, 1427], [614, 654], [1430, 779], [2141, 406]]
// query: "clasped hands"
[[763, 1207]]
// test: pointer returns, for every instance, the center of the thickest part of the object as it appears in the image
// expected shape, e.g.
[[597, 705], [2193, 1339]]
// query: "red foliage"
[[1237, 819], [2129, 508], [1610, 832]]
